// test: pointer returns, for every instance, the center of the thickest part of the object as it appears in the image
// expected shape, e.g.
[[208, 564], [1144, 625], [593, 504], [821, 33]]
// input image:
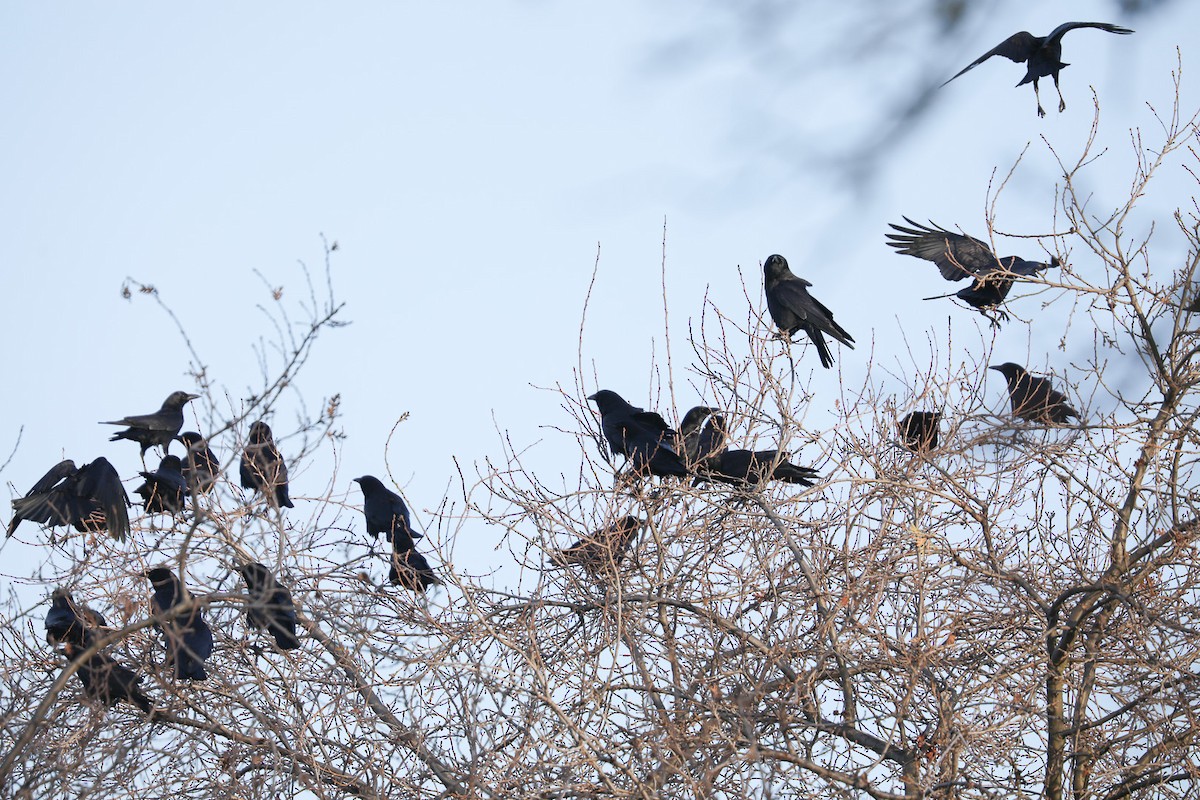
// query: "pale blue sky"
[[469, 159]]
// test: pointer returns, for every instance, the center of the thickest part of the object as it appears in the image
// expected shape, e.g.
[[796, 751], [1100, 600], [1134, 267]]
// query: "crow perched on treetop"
[[263, 469], [1042, 55], [1033, 399], [794, 309], [919, 430], [105, 680], [200, 466], [69, 621], [89, 498], [752, 467], [958, 257], [602, 551], [643, 437], [386, 513], [699, 440], [165, 489], [188, 637], [271, 607], [410, 569], [157, 428]]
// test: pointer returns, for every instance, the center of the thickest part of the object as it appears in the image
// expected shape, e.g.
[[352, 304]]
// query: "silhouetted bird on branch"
[[70, 621], [794, 309], [919, 430], [105, 680], [200, 467], [157, 428], [386, 513], [1034, 399], [271, 607], [263, 469], [188, 637], [90, 498], [702, 435], [410, 569], [1042, 55], [165, 489], [603, 551], [643, 437], [958, 257]]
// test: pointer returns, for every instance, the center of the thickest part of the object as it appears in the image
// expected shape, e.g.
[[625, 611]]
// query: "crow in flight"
[[794, 309], [200, 466], [386, 513], [89, 498], [959, 257], [263, 469], [410, 569], [188, 637], [1033, 399], [700, 440], [643, 437], [1042, 55], [270, 606], [919, 430], [105, 680], [165, 489], [157, 428], [601, 552], [69, 621]]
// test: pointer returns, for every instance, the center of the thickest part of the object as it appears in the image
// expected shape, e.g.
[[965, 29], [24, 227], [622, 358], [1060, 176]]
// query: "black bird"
[[157, 428], [602, 551], [69, 621], [752, 467], [165, 489], [200, 466], [386, 513], [959, 257], [643, 437], [188, 637], [700, 440], [1033, 399], [410, 570], [1042, 55], [263, 469], [919, 430], [105, 680], [270, 608], [794, 309], [89, 498]]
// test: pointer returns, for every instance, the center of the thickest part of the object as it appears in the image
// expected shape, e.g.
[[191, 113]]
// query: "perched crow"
[[643, 437], [1042, 55], [794, 309], [165, 489], [105, 680], [157, 428], [270, 606], [89, 498], [200, 466], [959, 257], [1033, 399], [69, 621], [919, 430], [699, 440], [189, 640], [602, 551], [263, 469], [752, 467], [410, 570], [386, 513]]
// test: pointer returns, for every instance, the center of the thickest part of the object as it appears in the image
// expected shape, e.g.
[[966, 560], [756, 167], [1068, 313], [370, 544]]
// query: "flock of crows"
[[92, 497]]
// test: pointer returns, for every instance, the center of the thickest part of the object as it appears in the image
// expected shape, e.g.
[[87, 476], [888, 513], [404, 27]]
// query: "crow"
[[270, 606], [410, 570], [263, 469], [1042, 56], [752, 467], [919, 430], [165, 489], [1033, 399], [157, 428], [200, 467], [698, 440], [959, 257], [643, 437], [69, 621], [794, 309], [188, 637], [89, 498], [602, 551], [386, 513], [105, 680]]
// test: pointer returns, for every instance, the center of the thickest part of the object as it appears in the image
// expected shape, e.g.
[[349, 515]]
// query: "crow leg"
[[1062, 104], [1038, 98]]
